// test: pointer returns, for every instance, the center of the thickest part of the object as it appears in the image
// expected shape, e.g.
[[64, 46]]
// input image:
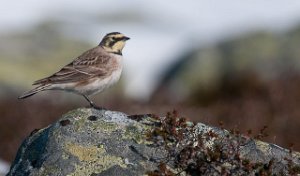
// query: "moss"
[[132, 132], [92, 159], [78, 117], [79, 125], [82, 112], [104, 126], [138, 134], [81, 122]]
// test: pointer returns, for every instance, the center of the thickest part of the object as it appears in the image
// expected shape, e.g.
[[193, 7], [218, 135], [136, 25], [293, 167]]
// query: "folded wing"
[[93, 63]]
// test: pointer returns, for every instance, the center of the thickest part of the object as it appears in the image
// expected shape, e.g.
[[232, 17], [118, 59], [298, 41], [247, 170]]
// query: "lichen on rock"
[[95, 142], [83, 142]]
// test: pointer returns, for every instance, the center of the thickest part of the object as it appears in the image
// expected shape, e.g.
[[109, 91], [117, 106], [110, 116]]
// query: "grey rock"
[[101, 142]]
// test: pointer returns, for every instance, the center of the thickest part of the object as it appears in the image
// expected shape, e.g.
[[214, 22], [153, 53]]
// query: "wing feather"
[[92, 63]]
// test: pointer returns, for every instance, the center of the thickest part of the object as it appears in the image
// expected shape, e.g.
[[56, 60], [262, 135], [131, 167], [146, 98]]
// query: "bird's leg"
[[92, 104]]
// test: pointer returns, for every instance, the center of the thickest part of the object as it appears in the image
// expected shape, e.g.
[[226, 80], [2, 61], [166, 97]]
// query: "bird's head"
[[114, 42]]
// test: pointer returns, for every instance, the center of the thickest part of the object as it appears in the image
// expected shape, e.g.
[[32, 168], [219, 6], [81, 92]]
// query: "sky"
[[159, 30]]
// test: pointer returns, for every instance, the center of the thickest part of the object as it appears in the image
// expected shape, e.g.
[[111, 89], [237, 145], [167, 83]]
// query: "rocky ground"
[[95, 142]]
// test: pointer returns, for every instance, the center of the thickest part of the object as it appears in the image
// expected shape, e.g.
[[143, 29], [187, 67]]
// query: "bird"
[[92, 72]]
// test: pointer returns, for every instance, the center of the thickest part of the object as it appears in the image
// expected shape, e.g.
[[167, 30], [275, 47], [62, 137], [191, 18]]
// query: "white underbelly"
[[96, 85], [100, 85]]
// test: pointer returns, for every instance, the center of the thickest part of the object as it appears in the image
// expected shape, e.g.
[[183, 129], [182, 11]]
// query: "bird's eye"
[[114, 38]]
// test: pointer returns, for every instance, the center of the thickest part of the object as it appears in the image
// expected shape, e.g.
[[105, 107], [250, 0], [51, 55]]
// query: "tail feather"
[[33, 91]]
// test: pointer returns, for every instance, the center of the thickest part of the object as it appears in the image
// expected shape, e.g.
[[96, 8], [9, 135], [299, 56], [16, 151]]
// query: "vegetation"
[[206, 152]]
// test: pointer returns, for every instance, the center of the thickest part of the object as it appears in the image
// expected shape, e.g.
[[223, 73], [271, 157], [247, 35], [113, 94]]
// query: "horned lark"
[[92, 72]]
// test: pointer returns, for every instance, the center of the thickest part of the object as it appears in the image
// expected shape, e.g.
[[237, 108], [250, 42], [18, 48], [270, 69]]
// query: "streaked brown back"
[[92, 63]]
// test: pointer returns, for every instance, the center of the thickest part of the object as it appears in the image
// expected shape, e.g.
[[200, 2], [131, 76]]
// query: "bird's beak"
[[126, 38]]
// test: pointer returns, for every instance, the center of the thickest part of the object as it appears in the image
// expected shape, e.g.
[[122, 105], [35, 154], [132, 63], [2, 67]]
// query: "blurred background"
[[232, 62]]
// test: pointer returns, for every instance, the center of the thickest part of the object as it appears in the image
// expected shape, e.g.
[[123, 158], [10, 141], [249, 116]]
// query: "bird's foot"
[[92, 104]]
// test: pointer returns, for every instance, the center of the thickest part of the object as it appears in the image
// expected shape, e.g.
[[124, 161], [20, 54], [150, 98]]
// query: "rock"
[[101, 142]]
